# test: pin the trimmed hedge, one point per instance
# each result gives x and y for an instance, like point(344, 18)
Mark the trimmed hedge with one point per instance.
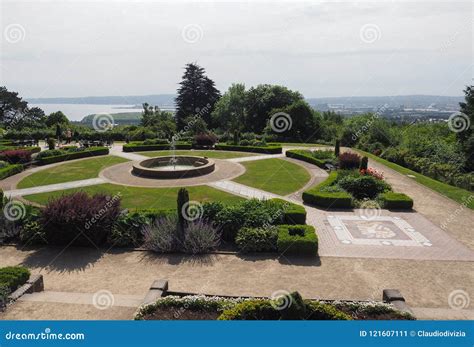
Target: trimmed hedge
point(257, 239)
point(134, 147)
point(10, 170)
point(90, 152)
point(302, 155)
point(391, 200)
point(315, 196)
point(297, 239)
point(11, 277)
point(253, 149)
point(292, 213)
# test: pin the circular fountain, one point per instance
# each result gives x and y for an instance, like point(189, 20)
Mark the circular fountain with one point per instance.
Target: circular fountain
point(173, 167)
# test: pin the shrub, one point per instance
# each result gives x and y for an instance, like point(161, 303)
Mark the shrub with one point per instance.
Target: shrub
point(371, 172)
point(11, 277)
point(140, 147)
point(291, 213)
point(79, 219)
point(16, 156)
point(156, 142)
point(50, 153)
point(10, 171)
point(249, 213)
point(337, 148)
point(317, 196)
point(262, 239)
point(89, 152)
point(297, 239)
point(391, 200)
point(200, 237)
point(3, 164)
point(363, 187)
point(32, 233)
point(162, 235)
point(207, 140)
point(51, 143)
point(211, 209)
point(364, 162)
point(348, 160)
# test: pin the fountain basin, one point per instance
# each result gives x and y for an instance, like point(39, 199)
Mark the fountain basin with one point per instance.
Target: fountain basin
point(170, 167)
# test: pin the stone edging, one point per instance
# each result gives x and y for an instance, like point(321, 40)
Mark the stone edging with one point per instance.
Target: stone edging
point(34, 284)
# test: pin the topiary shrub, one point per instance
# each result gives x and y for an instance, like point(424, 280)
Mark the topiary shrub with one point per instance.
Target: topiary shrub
point(348, 160)
point(337, 148)
point(182, 204)
point(291, 213)
point(79, 219)
point(51, 143)
point(391, 200)
point(363, 187)
point(364, 162)
point(205, 140)
point(297, 239)
point(257, 239)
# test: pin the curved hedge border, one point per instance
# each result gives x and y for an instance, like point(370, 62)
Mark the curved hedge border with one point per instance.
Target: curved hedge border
point(142, 148)
point(301, 155)
point(395, 201)
point(90, 152)
point(253, 149)
point(315, 196)
point(10, 170)
point(292, 213)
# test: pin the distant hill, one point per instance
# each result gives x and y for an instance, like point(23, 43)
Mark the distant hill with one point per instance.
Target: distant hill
point(161, 99)
point(392, 101)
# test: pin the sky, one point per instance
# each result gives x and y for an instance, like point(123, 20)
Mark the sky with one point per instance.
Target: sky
point(322, 49)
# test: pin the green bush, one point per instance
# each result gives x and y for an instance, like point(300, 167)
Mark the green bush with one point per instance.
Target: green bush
point(127, 230)
point(291, 213)
point(10, 170)
point(363, 187)
point(90, 152)
point(391, 200)
point(297, 239)
point(141, 147)
point(316, 195)
point(32, 233)
point(254, 149)
point(49, 153)
point(262, 239)
point(12, 277)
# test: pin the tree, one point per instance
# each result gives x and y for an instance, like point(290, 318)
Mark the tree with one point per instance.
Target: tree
point(56, 118)
point(34, 118)
point(160, 122)
point(299, 122)
point(182, 202)
point(229, 112)
point(466, 137)
point(15, 114)
point(197, 95)
point(264, 98)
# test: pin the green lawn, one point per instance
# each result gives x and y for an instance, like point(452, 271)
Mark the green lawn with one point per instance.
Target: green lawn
point(144, 198)
point(209, 154)
point(67, 172)
point(274, 175)
point(459, 195)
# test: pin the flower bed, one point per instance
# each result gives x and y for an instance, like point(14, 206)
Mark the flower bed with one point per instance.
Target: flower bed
point(54, 157)
point(285, 307)
point(317, 196)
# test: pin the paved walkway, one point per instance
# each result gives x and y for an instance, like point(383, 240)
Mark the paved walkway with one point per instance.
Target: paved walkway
point(256, 157)
point(54, 187)
point(117, 151)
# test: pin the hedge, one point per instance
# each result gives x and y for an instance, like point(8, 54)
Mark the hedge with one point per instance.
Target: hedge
point(10, 170)
point(134, 147)
point(315, 196)
point(297, 239)
point(301, 155)
point(90, 152)
point(11, 277)
point(391, 200)
point(253, 149)
point(292, 213)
